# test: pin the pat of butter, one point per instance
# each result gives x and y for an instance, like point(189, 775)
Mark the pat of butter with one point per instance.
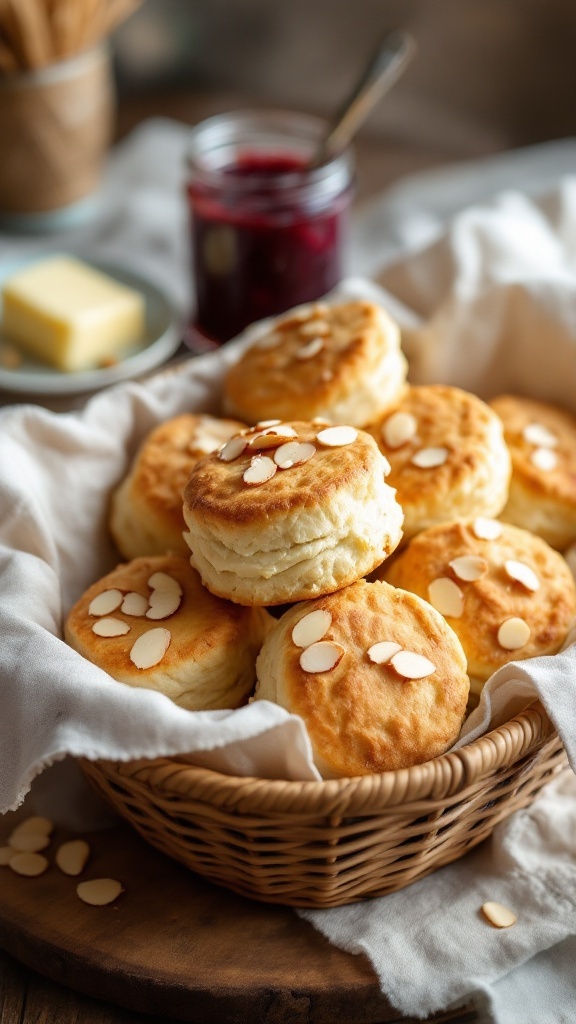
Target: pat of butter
point(70, 315)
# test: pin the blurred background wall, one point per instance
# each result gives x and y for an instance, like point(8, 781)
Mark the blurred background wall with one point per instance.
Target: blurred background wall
point(489, 75)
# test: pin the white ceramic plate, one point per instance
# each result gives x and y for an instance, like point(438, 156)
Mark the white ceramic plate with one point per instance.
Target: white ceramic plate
point(163, 333)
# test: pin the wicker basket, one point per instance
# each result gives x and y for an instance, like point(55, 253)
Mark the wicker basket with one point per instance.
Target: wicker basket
point(323, 844)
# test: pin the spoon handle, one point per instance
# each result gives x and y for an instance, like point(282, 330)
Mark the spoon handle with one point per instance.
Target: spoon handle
point(391, 58)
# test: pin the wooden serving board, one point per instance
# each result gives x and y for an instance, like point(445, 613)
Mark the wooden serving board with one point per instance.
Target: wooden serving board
point(176, 946)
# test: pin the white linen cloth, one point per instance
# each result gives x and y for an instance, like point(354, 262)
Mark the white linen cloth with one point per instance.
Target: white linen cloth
point(490, 303)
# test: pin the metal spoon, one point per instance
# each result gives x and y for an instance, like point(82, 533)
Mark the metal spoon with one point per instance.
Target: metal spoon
point(384, 69)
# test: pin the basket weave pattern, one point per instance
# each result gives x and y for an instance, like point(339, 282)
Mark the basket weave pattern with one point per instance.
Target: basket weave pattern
point(323, 844)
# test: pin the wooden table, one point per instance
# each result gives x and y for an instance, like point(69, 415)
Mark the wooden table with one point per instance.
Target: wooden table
point(26, 997)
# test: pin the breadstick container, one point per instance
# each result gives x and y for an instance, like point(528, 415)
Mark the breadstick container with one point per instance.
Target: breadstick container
point(56, 125)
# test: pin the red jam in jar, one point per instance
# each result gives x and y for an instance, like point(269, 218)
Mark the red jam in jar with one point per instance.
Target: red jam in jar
point(268, 231)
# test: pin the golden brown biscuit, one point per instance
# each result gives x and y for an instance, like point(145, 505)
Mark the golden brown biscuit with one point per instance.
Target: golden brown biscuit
point(211, 644)
point(363, 716)
point(342, 362)
point(323, 520)
point(146, 509)
point(508, 598)
point(542, 443)
point(448, 456)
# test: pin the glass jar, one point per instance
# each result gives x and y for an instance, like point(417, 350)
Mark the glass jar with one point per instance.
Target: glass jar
point(268, 230)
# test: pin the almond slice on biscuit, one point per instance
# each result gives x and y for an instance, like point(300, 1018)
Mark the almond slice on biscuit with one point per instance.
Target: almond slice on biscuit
point(311, 627)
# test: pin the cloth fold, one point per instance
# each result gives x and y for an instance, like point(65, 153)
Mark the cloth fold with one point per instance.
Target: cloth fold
point(489, 302)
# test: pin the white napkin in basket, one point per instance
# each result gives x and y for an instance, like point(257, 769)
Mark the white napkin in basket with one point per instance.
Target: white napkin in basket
point(55, 473)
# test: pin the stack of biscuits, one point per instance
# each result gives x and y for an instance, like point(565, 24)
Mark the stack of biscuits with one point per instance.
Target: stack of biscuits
point(363, 552)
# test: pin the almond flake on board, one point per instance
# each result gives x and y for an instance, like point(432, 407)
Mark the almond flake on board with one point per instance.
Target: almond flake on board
point(544, 459)
point(469, 567)
point(412, 666)
point(381, 652)
point(28, 864)
point(294, 453)
point(134, 604)
point(110, 627)
point(310, 350)
point(398, 429)
point(28, 842)
point(98, 892)
point(336, 437)
point(429, 458)
point(260, 470)
point(486, 529)
point(446, 597)
point(149, 649)
point(233, 449)
point(522, 573)
point(106, 602)
point(539, 435)
point(311, 627)
point(498, 915)
point(321, 657)
point(72, 856)
point(36, 823)
point(513, 634)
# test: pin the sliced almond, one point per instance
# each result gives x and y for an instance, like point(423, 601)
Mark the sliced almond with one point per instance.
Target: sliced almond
point(282, 430)
point(269, 340)
point(106, 602)
point(539, 435)
point(429, 458)
point(36, 823)
point(262, 424)
point(110, 627)
point(522, 573)
point(499, 915)
point(381, 652)
point(412, 666)
point(150, 648)
point(320, 421)
point(399, 428)
point(513, 634)
point(544, 459)
point(98, 892)
point(310, 350)
point(163, 603)
point(260, 470)
point(294, 453)
point(134, 604)
point(469, 567)
point(163, 581)
point(335, 437)
point(314, 327)
point(321, 657)
point(263, 441)
point(29, 864)
point(28, 842)
point(72, 857)
point(311, 627)
point(486, 529)
point(233, 449)
point(446, 597)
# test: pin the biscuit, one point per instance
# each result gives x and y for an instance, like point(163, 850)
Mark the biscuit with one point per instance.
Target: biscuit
point(342, 362)
point(146, 509)
point(509, 597)
point(447, 455)
point(209, 661)
point(542, 443)
point(321, 518)
point(365, 715)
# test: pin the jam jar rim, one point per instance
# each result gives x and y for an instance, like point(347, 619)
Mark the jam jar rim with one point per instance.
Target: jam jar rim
point(335, 174)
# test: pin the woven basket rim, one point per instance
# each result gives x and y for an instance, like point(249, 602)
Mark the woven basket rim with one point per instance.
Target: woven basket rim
point(441, 777)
